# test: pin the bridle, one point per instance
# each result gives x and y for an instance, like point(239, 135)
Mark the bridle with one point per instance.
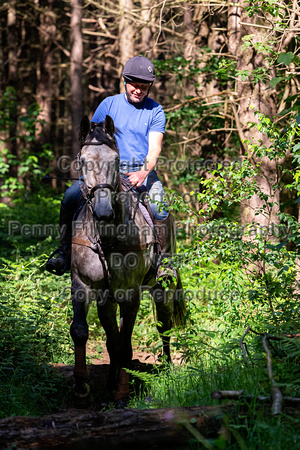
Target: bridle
point(87, 193)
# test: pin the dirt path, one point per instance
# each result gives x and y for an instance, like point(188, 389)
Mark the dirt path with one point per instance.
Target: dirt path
point(98, 367)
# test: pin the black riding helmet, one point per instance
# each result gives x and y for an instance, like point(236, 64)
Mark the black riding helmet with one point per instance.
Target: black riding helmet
point(139, 69)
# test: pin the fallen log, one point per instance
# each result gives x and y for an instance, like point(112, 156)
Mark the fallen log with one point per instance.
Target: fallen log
point(167, 428)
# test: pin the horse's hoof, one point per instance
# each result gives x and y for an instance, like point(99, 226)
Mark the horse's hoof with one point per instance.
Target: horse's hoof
point(81, 393)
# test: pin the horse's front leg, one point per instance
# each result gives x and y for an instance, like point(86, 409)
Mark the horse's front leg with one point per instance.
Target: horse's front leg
point(107, 316)
point(128, 312)
point(79, 333)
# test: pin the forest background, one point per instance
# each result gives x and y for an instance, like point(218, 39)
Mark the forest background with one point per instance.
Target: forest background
point(227, 75)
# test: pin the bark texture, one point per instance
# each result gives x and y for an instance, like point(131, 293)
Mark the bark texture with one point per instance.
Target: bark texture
point(45, 89)
point(126, 46)
point(253, 97)
point(12, 79)
point(76, 75)
point(119, 429)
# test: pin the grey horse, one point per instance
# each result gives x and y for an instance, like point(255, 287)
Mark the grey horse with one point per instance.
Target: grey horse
point(113, 260)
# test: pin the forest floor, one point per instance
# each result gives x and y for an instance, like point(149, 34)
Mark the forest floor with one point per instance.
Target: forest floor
point(96, 422)
point(98, 368)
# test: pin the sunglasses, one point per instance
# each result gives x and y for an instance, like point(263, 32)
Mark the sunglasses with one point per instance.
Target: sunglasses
point(141, 86)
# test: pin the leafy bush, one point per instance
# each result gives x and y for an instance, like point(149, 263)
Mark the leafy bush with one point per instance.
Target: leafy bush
point(34, 333)
point(22, 167)
point(34, 313)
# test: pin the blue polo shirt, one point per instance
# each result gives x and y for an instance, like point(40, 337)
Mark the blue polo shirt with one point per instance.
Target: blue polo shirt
point(133, 123)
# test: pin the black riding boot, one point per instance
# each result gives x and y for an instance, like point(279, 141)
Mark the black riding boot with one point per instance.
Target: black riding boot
point(59, 264)
point(165, 232)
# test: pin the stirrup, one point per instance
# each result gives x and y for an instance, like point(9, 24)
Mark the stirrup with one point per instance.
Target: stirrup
point(51, 267)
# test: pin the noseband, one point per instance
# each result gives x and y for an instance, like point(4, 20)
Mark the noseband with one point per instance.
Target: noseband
point(103, 186)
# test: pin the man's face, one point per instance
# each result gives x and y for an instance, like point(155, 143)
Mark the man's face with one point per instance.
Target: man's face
point(136, 92)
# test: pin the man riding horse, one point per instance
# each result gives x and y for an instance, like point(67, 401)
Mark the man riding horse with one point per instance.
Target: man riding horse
point(140, 126)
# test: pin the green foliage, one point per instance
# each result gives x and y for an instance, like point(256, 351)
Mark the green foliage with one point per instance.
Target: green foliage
point(184, 69)
point(35, 312)
point(193, 113)
point(20, 163)
point(279, 18)
point(34, 333)
point(239, 277)
point(248, 427)
point(233, 277)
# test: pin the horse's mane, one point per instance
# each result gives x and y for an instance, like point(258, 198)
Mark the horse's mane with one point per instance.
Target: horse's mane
point(98, 132)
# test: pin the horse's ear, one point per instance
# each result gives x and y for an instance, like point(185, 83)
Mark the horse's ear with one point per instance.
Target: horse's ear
point(85, 127)
point(109, 126)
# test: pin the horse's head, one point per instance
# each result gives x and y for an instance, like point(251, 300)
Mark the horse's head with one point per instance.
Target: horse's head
point(100, 159)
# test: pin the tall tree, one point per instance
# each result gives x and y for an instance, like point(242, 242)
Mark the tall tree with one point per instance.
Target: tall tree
point(253, 96)
point(45, 91)
point(126, 33)
point(146, 30)
point(189, 51)
point(12, 81)
point(76, 75)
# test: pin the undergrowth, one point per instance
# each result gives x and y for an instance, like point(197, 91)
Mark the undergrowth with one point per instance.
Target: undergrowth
point(35, 316)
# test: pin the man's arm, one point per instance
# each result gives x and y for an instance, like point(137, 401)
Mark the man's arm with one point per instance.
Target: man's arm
point(155, 144)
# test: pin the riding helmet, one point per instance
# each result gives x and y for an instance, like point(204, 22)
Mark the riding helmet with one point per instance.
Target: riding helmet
point(139, 69)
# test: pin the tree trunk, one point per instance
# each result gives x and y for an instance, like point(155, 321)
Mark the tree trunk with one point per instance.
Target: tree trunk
point(189, 51)
point(12, 41)
point(252, 94)
point(45, 89)
point(118, 429)
point(126, 47)
point(76, 76)
point(146, 31)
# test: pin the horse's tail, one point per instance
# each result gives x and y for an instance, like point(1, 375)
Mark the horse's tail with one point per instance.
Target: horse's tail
point(179, 304)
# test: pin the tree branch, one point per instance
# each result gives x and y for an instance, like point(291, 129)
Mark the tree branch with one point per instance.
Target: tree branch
point(277, 396)
point(238, 395)
point(194, 99)
point(242, 342)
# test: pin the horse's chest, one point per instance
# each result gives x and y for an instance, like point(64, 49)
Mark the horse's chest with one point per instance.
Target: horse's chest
point(129, 266)
point(86, 263)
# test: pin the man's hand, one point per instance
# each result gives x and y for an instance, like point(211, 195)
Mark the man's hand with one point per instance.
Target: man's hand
point(137, 178)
